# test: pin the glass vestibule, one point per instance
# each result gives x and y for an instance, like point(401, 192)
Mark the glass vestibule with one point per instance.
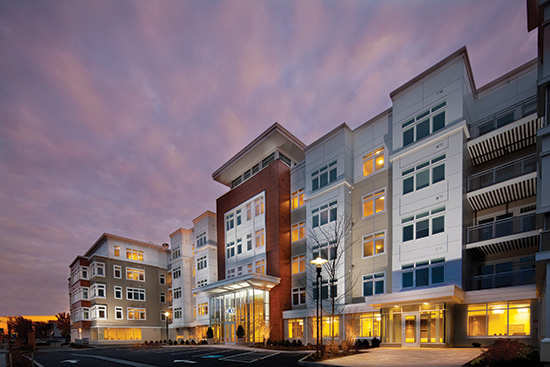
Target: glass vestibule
point(249, 308)
point(411, 325)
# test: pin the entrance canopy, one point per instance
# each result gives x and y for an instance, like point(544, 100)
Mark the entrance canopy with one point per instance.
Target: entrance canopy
point(448, 294)
point(252, 280)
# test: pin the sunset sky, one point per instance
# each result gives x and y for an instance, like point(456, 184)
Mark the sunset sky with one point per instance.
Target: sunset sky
point(114, 114)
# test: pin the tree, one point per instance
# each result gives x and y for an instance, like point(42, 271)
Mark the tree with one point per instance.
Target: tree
point(64, 324)
point(332, 241)
point(264, 330)
point(22, 327)
point(42, 329)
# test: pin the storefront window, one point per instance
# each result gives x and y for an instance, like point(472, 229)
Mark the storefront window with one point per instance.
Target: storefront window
point(329, 326)
point(499, 319)
point(369, 325)
point(296, 328)
point(116, 334)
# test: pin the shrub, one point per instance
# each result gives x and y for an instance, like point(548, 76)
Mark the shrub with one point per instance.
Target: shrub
point(269, 342)
point(476, 345)
point(344, 346)
point(170, 342)
point(333, 348)
point(240, 331)
point(294, 343)
point(209, 332)
point(287, 343)
point(156, 341)
point(358, 344)
point(509, 352)
point(182, 341)
point(145, 342)
point(300, 344)
point(375, 342)
point(193, 342)
point(366, 344)
point(204, 342)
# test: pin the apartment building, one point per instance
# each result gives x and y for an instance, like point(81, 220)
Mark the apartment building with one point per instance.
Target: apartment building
point(118, 291)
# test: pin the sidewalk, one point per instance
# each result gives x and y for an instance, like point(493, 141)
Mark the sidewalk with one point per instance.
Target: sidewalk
point(404, 357)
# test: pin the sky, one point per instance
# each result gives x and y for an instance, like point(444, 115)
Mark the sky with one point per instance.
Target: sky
point(115, 114)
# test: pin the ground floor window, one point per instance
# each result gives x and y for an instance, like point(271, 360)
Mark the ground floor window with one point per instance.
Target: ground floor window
point(425, 323)
point(296, 328)
point(369, 325)
point(330, 326)
point(116, 334)
point(499, 318)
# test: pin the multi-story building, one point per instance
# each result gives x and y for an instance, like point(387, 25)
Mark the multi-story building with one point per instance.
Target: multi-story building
point(118, 291)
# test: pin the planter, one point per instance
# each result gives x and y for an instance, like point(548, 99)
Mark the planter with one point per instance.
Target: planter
point(241, 341)
point(210, 340)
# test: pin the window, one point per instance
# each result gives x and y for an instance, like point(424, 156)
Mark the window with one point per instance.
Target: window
point(202, 283)
point(500, 319)
point(373, 161)
point(229, 221)
point(84, 272)
point(325, 214)
point(162, 315)
point(298, 231)
point(201, 239)
point(329, 324)
point(299, 296)
point(374, 203)
point(249, 242)
point(118, 292)
point(201, 263)
point(85, 313)
point(84, 293)
point(118, 313)
point(177, 313)
point(176, 273)
point(297, 199)
point(298, 264)
point(135, 274)
point(98, 291)
point(323, 176)
point(135, 294)
point(369, 325)
point(117, 251)
point(202, 309)
point(248, 211)
point(136, 313)
point(295, 328)
point(239, 246)
point(422, 222)
point(238, 217)
point(162, 297)
point(259, 206)
point(373, 284)
point(117, 271)
point(99, 312)
point(177, 293)
point(424, 273)
point(98, 269)
point(326, 251)
point(424, 124)
point(239, 271)
point(231, 273)
point(132, 254)
point(176, 253)
point(374, 244)
point(249, 268)
point(423, 174)
point(260, 238)
point(260, 266)
point(162, 279)
point(230, 249)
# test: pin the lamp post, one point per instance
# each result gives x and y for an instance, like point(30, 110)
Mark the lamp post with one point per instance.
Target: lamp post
point(318, 262)
point(166, 314)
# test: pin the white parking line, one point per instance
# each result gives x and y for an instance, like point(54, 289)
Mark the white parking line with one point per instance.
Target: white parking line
point(234, 358)
point(115, 360)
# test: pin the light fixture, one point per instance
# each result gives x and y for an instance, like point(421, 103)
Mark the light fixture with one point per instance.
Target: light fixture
point(319, 261)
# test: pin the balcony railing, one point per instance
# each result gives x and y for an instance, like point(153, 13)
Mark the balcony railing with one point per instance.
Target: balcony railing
point(502, 173)
point(502, 228)
point(522, 276)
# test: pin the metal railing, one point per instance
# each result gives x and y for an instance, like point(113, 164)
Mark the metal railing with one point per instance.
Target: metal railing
point(502, 228)
point(503, 172)
point(525, 275)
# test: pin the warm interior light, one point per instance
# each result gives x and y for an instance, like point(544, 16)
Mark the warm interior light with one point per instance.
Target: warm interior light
point(381, 197)
point(381, 161)
point(426, 303)
point(498, 312)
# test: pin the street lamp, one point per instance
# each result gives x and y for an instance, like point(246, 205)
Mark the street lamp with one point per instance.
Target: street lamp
point(318, 262)
point(166, 314)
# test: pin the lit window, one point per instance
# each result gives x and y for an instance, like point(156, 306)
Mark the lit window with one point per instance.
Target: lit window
point(202, 309)
point(296, 328)
point(132, 254)
point(329, 325)
point(373, 161)
point(117, 271)
point(248, 211)
point(297, 199)
point(259, 206)
point(298, 264)
point(298, 231)
point(135, 274)
point(117, 251)
point(260, 266)
point(500, 319)
point(374, 244)
point(260, 238)
point(136, 313)
point(374, 203)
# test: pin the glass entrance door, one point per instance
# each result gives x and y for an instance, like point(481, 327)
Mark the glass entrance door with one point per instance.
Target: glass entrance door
point(411, 330)
point(230, 332)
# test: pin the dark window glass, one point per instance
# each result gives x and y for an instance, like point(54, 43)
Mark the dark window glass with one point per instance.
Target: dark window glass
point(438, 224)
point(438, 121)
point(422, 129)
point(505, 120)
point(408, 233)
point(422, 228)
point(333, 213)
point(438, 173)
point(315, 183)
point(324, 217)
point(324, 179)
point(407, 279)
point(438, 274)
point(332, 175)
point(422, 179)
point(422, 277)
point(332, 253)
point(408, 137)
point(408, 185)
point(295, 298)
point(367, 288)
point(324, 292)
point(315, 221)
point(379, 287)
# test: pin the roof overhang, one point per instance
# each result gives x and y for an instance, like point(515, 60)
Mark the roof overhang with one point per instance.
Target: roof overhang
point(449, 294)
point(252, 280)
point(274, 138)
point(499, 245)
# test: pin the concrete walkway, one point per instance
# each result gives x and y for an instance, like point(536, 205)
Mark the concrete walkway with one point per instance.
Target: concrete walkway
point(405, 357)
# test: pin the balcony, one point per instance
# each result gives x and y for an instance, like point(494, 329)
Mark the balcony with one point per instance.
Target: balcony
point(509, 182)
point(503, 235)
point(503, 275)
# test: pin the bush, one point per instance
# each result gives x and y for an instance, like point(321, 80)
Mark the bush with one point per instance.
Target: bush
point(204, 342)
point(375, 342)
point(333, 348)
point(269, 342)
point(366, 344)
point(209, 332)
point(182, 341)
point(240, 331)
point(476, 345)
point(300, 344)
point(509, 352)
point(358, 344)
point(170, 342)
point(294, 343)
point(344, 346)
point(287, 343)
point(193, 342)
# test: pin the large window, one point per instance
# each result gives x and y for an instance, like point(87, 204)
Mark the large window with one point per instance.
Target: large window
point(176, 273)
point(260, 239)
point(422, 175)
point(295, 328)
point(135, 274)
point(298, 264)
point(297, 199)
point(374, 244)
point(373, 161)
point(132, 254)
point(260, 266)
point(135, 294)
point(423, 273)
point(330, 326)
point(374, 203)
point(298, 231)
point(422, 224)
point(229, 221)
point(98, 291)
point(369, 325)
point(201, 263)
point(201, 239)
point(230, 249)
point(499, 319)
point(178, 313)
point(325, 214)
point(98, 269)
point(299, 296)
point(325, 250)
point(202, 309)
point(323, 176)
point(116, 333)
point(259, 206)
point(136, 313)
point(424, 124)
point(373, 284)
point(177, 293)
